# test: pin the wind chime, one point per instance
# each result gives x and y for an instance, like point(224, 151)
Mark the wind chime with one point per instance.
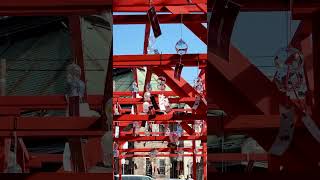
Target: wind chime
point(290, 80)
point(153, 19)
point(135, 93)
point(153, 158)
point(181, 48)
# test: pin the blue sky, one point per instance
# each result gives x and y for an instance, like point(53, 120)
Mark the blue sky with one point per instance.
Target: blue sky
point(129, 39)
point(258, 35)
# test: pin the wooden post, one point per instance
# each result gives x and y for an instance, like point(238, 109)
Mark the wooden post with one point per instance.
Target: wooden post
point(4, 142)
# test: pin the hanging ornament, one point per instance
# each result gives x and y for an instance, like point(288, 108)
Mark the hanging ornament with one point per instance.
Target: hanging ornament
point(164, 104)
point(153, 155)
point(174, 138)
point(167, 133)
point(134, 89)
point(289, 65)
point(146, 130)
point(196, 102)
point(136, 127)
point(117, 109)
point(198, 85)
point(181, 47)
point(75, 86)
point(180, 155)
point(179, 130)
point(153, 18)
point(161, 83)
point(151, 46)
point(198, 126)
point(115, 150)
point(148, 87)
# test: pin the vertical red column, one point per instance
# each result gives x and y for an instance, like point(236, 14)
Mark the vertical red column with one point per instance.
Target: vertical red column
point(76, 148)
point(316, 65)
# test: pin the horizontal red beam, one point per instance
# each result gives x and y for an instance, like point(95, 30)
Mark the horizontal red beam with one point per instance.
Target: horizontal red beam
point(52, 3)
point(165, 117)
point(158, 155)
point(53, 7)
point(126, 123)
point(163, 18)
point(128, 93)
point(52, 133)
point(158, 138)
point(65, 176)
point(44, 102)
point(143, 6)
point(36, 160)
point(130, 61)
point(141, 101)
point(219, 157)
point(46, 123)
point(158, 149)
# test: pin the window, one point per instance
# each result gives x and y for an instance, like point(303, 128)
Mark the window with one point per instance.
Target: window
point(162, 167)
point(148, 167)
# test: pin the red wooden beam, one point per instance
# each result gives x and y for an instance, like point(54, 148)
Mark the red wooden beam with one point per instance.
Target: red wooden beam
point(241, 74)
point(141, 101)
point(53, 133)
point(46, 123)
point(231, 157)
point(163, 19)
point(166, 117)
point(44, 102)
point(158, 149)
point(52, 7)
point(158, 138)
point(130, 61)
point(198, 29)
point(158, 155)
point(129, 93)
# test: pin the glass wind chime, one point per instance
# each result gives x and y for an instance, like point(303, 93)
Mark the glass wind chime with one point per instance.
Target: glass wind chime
point(181, 48)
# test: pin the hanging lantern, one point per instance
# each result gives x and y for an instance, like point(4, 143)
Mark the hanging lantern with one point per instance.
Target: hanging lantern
point(289, 65)
point(181, 47)
point(162, 83)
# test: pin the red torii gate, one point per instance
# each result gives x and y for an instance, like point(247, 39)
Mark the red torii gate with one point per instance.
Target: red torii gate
point(11, 106)
point(161, 65)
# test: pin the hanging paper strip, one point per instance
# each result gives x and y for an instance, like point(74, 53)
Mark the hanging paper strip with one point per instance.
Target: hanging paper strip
point(286, 130)
point(178, 71)
point(312, 127)
point(221, 26)
point(154, 103)
point(153, 18)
